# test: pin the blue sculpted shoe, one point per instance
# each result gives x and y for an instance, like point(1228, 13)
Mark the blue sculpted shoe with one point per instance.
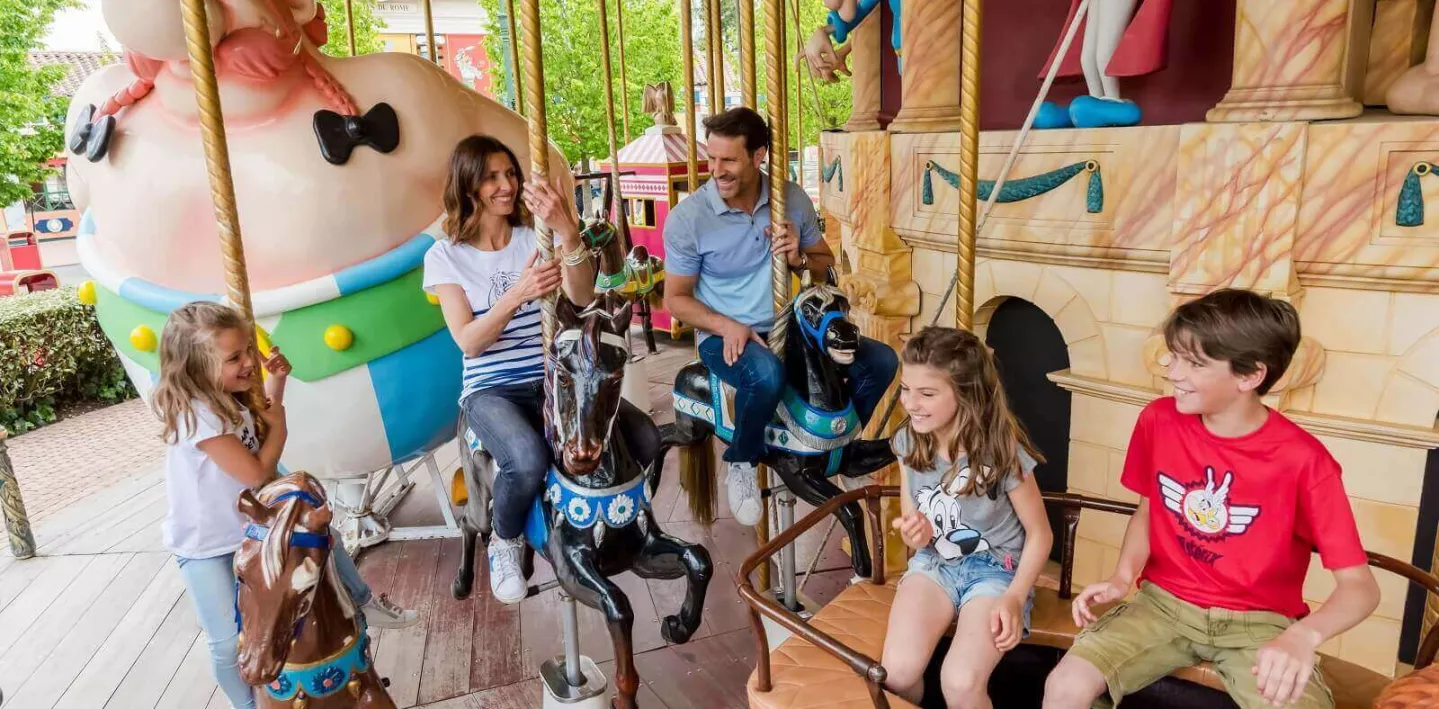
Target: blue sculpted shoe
point(1094, 112)
point(1051, 116)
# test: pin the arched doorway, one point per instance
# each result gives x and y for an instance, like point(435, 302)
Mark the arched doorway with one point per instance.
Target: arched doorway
point(1028, 346)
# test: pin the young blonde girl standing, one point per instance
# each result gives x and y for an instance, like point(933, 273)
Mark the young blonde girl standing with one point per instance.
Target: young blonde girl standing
point(971, 511)
point(207, 364)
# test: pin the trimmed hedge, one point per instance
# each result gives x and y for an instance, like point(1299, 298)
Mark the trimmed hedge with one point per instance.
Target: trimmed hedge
point(53, 353)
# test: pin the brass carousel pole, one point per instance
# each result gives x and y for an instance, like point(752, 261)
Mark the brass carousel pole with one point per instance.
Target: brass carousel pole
point(624, 82)
point(687, 46)
point(539, 145)
point(749, 93)
point(779, 268)
point(624, 222)
point(430, 32)
point(968, 160)
point(514, 50)
point(350, 24)
point(713, 34)
point(798, 91)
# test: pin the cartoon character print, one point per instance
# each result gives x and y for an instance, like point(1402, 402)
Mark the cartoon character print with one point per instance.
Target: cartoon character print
point(248, 438)
point(1204, 508)
point(502, 281)
point(952, 537)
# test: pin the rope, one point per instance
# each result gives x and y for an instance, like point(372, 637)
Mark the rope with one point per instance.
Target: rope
point(539, 149)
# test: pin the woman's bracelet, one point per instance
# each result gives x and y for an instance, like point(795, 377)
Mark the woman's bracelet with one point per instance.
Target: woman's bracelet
point(577, 257)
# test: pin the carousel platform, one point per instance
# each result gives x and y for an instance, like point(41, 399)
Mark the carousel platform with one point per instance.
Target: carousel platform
point(99, 620)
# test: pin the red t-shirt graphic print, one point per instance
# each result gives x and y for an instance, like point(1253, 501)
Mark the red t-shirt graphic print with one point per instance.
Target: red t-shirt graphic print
point(1232, 521)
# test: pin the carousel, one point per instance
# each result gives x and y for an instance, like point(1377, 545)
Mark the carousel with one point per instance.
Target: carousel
point(1241, 154)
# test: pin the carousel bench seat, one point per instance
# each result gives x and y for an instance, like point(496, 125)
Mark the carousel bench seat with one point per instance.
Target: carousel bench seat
point(829, 661)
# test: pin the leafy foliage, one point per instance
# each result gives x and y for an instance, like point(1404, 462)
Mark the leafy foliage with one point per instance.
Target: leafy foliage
point(52, 352)
point(31, 119)
point(367, 28)
point(574, 88)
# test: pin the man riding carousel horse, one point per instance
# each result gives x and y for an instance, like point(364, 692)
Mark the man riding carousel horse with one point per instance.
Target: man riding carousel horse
point(718, 244)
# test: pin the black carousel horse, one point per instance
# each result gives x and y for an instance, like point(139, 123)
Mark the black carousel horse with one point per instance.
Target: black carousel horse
point(593, 519)
point(815, 431)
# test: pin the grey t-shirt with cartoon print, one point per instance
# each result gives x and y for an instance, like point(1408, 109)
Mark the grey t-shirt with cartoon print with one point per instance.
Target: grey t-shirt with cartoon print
point(966, 524)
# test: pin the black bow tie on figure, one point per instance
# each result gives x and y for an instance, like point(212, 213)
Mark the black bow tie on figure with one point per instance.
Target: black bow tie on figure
point(90, 137)
point(379, 128)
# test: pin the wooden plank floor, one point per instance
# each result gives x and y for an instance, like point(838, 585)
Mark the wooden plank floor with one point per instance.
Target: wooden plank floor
point(99, 618)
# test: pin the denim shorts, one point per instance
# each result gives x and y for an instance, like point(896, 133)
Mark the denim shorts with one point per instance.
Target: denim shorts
point(978, 575)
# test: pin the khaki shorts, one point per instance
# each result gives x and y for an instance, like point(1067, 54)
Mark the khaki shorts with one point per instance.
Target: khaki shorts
point(1138, 642)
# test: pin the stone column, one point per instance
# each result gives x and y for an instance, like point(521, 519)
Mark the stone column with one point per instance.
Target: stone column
point(929, 71)
point(865, 48)
point(1297, 61)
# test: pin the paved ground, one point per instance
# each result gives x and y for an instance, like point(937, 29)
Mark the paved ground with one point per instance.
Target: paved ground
point(66, 461)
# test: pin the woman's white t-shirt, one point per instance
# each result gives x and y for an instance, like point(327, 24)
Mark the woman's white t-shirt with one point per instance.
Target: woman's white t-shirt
point(518, 356)
point(202, 520)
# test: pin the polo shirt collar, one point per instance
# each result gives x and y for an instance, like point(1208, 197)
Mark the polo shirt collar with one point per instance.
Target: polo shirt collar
point(717, 202)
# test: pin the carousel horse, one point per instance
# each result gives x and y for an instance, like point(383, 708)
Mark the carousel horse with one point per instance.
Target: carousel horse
point(815, 431)
point(593, 519)
point(301, 636)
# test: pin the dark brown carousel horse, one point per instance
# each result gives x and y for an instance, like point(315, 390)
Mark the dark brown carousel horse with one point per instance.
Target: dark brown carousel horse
point(593, 519)
point(302, 641)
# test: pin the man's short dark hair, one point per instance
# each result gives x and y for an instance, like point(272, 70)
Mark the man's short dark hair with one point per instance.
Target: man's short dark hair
point(1240, 327)
point(740, 122)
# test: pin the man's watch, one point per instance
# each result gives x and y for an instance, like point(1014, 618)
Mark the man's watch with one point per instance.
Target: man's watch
point(803, 261)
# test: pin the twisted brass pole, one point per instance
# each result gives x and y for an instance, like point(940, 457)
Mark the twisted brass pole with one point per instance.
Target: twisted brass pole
point(624, 81)
point(515, 57)
point(715, 58)
point(749, 90)
point(968, 160)
point(778, 161)
point(798, 102)
point(687, 46)
point(624, 225)
point(217, 156)
point(539, 147)
point(350, 23)
point(430, 33)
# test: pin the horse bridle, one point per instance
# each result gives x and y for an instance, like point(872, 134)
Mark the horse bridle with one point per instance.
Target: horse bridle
point(304, 540)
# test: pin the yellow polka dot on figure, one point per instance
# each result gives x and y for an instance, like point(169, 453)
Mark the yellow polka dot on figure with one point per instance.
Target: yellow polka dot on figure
point(339, 337)
point(434, 299)
point(86, 292)
point(143, 338)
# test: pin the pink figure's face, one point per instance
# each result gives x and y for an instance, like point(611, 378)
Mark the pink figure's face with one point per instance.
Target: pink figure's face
point(155, 28)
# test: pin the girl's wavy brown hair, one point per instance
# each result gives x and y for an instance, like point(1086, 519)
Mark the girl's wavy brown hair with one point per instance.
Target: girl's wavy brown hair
point(190, 369)
point(467, 170)
point(986, 429)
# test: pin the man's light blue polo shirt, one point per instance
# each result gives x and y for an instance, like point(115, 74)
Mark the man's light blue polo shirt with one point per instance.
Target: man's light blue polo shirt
point(729, 251)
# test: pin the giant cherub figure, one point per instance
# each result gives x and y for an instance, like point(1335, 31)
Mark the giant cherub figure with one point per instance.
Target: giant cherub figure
point(338, 167)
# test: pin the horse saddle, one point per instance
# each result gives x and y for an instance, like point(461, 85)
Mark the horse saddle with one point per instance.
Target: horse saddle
point(796, 427)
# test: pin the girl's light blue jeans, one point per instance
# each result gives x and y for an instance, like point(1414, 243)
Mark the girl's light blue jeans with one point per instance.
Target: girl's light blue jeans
point(211, 585)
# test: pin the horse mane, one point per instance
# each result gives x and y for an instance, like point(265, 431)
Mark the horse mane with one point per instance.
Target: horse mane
point(282, 525)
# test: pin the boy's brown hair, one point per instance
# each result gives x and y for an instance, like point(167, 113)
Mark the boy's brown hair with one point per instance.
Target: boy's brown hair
point(1240, 327)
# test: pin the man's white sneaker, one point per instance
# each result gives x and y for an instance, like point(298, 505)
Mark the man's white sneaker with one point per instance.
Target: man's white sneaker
point(381, 612)
point(742, 484)
point(507, 580)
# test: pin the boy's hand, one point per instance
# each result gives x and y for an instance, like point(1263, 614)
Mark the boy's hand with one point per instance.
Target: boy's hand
point(1006, 622)
point(1285, 664)
point(1102, 592)
point(279, 369)
point(915, 529)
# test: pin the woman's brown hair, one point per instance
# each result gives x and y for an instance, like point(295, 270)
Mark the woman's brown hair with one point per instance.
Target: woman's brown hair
point(985, 427)
point(467, 171)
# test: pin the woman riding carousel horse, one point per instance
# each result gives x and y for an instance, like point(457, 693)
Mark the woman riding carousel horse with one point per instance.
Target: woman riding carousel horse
point(489, 283)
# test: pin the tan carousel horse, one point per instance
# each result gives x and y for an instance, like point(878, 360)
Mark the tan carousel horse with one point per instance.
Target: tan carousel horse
point(301, 636)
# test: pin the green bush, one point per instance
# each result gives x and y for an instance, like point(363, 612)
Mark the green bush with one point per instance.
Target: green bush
point(52, 353)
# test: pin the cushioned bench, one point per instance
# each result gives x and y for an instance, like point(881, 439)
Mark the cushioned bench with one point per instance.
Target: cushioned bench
point(831, 660)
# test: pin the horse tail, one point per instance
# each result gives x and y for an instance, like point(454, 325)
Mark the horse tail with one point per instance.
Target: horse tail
point(697, 479)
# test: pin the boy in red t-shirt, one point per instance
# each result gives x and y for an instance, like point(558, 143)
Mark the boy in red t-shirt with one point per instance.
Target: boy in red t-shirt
point(1235, 497)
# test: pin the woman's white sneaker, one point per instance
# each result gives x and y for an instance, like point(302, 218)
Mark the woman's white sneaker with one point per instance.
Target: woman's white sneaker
point(507, 579)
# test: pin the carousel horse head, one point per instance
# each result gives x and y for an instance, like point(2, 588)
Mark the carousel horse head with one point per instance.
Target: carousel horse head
point(584, 378)
point(278, 569)
point(821, 312)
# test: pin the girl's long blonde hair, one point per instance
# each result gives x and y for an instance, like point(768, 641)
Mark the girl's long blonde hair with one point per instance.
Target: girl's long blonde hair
point(190, 369)
point(986, 430)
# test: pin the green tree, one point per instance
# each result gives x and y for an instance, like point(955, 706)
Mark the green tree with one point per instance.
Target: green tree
point(367, 28)
point(574, 88)
point(31, 119)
